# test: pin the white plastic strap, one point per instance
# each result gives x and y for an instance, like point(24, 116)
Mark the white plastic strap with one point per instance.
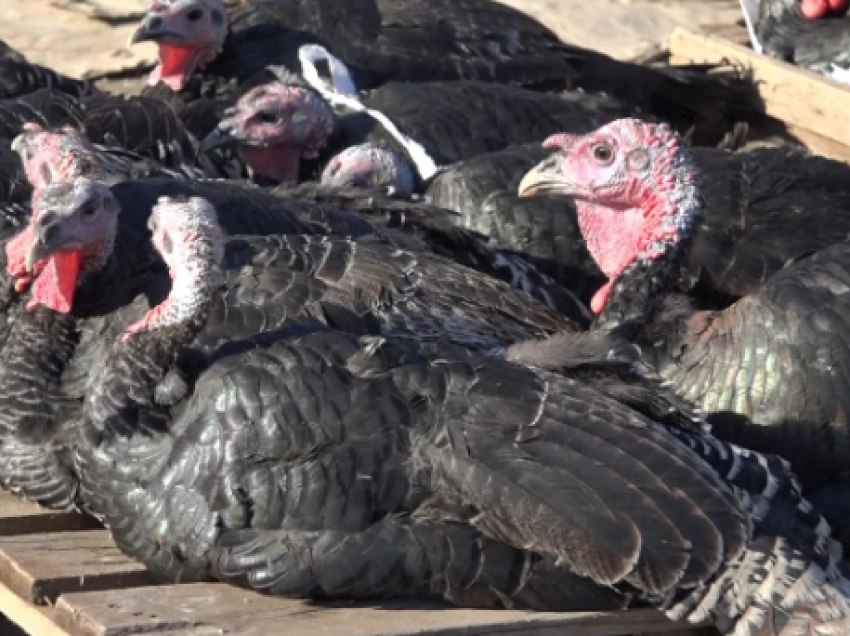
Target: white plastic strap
point(750, 9)
point(343, 93)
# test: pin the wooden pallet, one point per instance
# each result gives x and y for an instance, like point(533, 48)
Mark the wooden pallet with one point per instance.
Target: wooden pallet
point(812, 107)
point(61, 575)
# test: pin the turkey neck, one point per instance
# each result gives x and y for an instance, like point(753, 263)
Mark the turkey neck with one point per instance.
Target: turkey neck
point(137, 364)
point(648, 284)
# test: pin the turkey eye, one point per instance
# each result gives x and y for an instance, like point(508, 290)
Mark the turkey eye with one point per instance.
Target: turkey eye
point(603, 153)
point(88, 212)
point(166, 244)
point(267, 118)
point(194, 15)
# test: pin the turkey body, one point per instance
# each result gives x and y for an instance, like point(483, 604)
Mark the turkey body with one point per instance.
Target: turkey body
point(18, 77)
point(361, 452)
point(363, 286)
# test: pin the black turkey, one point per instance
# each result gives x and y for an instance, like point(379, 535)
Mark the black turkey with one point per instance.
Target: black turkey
point(324, 465)
point(773, 369)
point(763, 208)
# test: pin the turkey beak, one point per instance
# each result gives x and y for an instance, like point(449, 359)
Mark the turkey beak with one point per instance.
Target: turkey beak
point(18, 144)
point(221, 136)
point(544, 178)
point(151, 30)
point(48, 240)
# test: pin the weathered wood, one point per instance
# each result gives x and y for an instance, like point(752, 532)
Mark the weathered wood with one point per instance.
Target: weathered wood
point(23, 517)
point(40, 567)
point(36, 621)
point(798, 97)
point(201, 609)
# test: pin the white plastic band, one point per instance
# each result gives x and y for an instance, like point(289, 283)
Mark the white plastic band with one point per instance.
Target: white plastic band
point(343, 93)
point(750, 9)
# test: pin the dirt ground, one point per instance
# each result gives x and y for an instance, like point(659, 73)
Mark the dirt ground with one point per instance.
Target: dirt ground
point(85, 38)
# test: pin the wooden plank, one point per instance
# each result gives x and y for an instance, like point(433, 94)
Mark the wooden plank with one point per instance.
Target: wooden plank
point(40, 567)
point(23, 517)
point(790, 94)
point(203, 609)
point(820, 145)
point(37, 621)
point(736, 33)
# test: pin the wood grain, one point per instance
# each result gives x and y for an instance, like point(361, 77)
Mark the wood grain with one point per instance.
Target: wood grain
point(202, 609)
point(23, 517)
point(809, 103)
point(40, 567)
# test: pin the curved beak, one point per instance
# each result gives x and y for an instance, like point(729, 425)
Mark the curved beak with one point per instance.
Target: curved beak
point(151, 30)
point(545, 178)
point(18, 143)
point(221, 136)
point(48, 239)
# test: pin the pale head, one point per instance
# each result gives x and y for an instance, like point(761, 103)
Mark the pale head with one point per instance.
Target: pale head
point(636, 188)
point(369, 166)
point(188, 33)
point(71, 235)
point(186, 233)
point(275, 126)
point(50, 156)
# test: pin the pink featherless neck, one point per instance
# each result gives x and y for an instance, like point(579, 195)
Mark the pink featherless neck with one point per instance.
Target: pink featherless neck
point(637, 194)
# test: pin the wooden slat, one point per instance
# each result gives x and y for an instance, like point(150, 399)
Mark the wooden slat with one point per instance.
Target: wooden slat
point(790, 94)
point(22, 517)
point(36, 621)
point(40, 567)
point(202, 609)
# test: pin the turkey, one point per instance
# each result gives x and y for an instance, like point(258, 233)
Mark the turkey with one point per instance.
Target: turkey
point(386, 40)
point(321, 464)
point(814, 34)
point(772, 369)
point(19, 77)
point(278, 125)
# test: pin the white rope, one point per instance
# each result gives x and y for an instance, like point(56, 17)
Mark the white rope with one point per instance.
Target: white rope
point(343, 93)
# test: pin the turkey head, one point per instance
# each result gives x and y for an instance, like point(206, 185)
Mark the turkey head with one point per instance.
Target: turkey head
point(275, 126)
point(370, 166)
point(73, 232)
point(48, 157)
point(636, 189)
point(186, 233)
point(188, 33)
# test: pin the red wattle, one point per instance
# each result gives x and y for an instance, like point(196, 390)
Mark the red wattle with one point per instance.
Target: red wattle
point(16, 252)
point(176, 65)
point(279, 163)
point(600, 298)
point(55, 286)
point(814, 9)
point(839, 7)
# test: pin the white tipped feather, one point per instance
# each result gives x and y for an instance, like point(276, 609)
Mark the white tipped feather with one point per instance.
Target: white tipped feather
point(343, 93)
